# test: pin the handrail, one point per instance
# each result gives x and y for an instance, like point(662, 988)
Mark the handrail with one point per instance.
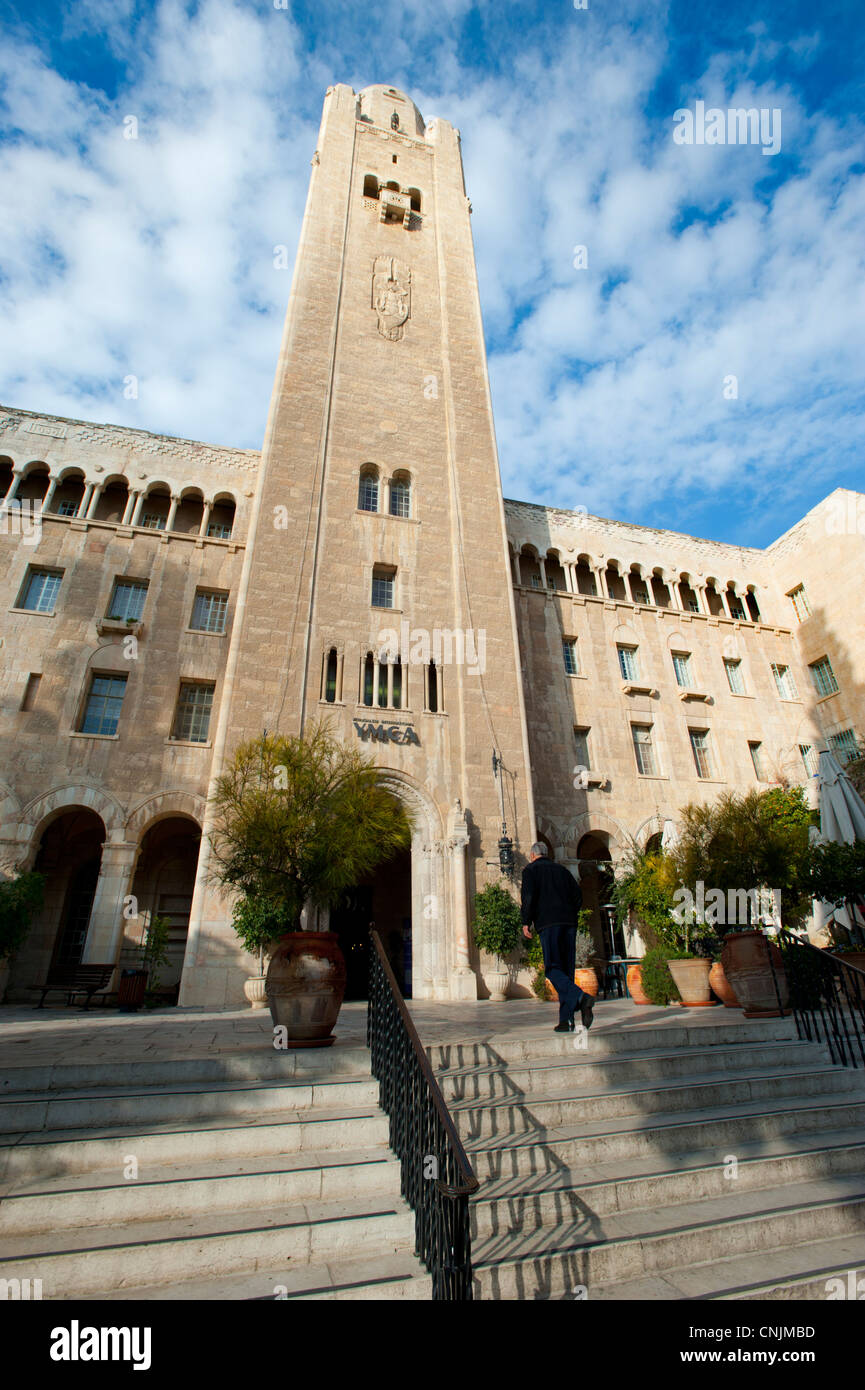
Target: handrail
point(436, 1178)
point(825, 989)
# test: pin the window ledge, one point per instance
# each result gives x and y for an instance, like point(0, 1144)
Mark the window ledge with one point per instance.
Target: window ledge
point(118, 626)
point(35, 612)
point(636, 688)
point(105, 738)
point(576, 675)
point(203, 632)
point(186, 743)
point(695, 695)
point(653, 777)
point(389, 516)
point(821, 699)
point(741, 695)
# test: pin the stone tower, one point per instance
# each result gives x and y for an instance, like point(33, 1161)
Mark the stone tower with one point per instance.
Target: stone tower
point(376, 589)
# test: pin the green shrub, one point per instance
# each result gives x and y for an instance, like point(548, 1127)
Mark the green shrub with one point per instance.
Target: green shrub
point(498, 924)
point(20, 899)
point(658, 983)
point(585, 949)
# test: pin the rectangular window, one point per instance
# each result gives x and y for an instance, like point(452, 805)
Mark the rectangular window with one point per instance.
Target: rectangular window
point(735, 679)
point(67, 508)
point(628, 662)
point(799, 600)
point(127, 601)
point(809, 758)
point(40, 589)
point(209, 611)
point(682, 667)
point(581, 742)
point(844, 745)
point(192, 719)
point(104, 702)
point(382, 589)
point(536, 581)
point(153, 521)
point(645, 753)
point(33, 682)
point(784, 682)
point(823, 676)
point(569, 651)
point(756, 751)
point(700, 749)
point(217, 530)
point(737, 609)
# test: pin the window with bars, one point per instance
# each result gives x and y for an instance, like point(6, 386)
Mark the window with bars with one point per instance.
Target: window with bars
point(103, 704)
point(216, 530)
point(367, 497)
point(643, 749)
point(845, 745)
point(382, 588)
point(784, 682)
point(39, 591)
point(682, 668)
point(67, 508)
point(701, 751)
point(154, 522)
point(823, 676)
point(735, 679)
point(581, 745)
point(569, 652)
point(400, 497)
point(127, 600)
point(758, 759)
point(799, 600)
point(192, 716)
point(209, 610)
point(628, 662)
point(809, 758)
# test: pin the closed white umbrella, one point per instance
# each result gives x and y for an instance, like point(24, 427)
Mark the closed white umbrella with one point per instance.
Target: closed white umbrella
point(842, 816)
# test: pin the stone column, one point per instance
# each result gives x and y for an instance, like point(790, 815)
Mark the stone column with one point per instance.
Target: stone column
point(94, 499)
point(105, 928)
point(700, 590)
point(17, 475)
point(570, 576)
point(518, 579)
point(136, 510)
point(543, 569)
point(85, 500)
point(49, 496)
point(599, 571)
point(205, 520)
point(463, 982)
point(172, 512)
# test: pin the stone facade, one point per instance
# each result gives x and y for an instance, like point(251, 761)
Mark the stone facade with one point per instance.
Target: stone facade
point(272, 590)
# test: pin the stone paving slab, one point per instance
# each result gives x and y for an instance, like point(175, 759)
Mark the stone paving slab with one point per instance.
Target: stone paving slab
point(31, 1037)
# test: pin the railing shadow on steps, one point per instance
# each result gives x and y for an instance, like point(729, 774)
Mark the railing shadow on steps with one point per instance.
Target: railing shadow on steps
point(827, 998)
point(436, 1176)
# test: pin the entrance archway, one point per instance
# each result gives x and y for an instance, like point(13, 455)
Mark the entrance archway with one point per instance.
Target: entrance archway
point(162, 887)
point(596, 881)
point(382, 897)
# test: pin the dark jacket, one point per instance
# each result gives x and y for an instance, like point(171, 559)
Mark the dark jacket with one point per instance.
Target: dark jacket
point(551, 895)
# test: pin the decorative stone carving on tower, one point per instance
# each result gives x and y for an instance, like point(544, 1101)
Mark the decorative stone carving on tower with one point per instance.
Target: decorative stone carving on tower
point(391, 296)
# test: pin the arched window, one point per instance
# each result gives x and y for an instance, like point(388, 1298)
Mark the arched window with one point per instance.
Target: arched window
point(400, 495)
point(370, 186)
point(432, 688)
point(753, 608)
point(330, 677)
point(368, 673)
point(414, 196)
point(397, 684)
point(367, 499)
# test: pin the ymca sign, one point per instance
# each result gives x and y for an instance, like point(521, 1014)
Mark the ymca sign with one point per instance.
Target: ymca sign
point(385, 733)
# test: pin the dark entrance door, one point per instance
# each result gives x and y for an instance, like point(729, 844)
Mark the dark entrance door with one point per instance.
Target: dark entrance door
point(385, 899)
point(350, 920)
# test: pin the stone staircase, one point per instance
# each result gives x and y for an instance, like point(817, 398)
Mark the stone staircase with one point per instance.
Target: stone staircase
point(661, 1162)
point(258, 1176)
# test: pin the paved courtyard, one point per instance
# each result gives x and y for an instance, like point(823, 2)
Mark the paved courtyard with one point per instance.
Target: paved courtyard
point(30, 1037)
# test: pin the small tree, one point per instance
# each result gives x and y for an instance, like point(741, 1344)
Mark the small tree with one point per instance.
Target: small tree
point(301, 819)
point(837, 874)
point(498, 922)
point(644, 885)
point(154, 952)
point(258, 923)
point(20, 900)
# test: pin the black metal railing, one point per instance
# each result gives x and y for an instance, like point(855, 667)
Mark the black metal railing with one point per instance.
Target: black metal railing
point(827, 998)
point(437, 1179)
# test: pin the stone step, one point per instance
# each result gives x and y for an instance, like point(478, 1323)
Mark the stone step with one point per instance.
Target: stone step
point(102, 1258)
point(182, 1190)
point(564, 1201)
point(384, 1277)
point(799, 1271)
point(100, 1107)
point(637, 1245)
point(44, 1155)
point(609, 1040)
point(597, 1141)
point(506, 1117)
point(252, 1063)
point(581, 1069)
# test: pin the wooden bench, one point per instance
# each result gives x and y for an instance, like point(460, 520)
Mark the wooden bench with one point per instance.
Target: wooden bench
point(76, 979)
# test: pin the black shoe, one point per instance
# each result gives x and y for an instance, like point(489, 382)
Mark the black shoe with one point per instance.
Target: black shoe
point(587, 1005)
point(566, 1027)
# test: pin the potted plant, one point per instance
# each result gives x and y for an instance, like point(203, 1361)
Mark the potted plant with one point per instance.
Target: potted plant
point(498, 931)
point(258, 924)
point(297, 821)
point(20, 899)
point(643, 895)
point(585, 975)
point(656, 980)
point(135, 980)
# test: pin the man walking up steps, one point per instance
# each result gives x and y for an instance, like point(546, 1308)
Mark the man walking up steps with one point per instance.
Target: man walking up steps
point(551, 900)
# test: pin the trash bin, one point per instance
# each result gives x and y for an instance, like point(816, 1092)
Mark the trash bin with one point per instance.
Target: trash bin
point(131, 993)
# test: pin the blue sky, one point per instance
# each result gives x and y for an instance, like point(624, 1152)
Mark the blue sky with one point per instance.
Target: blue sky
point(154, 257)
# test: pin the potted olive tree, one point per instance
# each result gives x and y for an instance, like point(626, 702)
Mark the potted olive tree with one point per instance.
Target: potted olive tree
point(20, 900)
point(297, 821)
point(259, 924)
point(498, 931)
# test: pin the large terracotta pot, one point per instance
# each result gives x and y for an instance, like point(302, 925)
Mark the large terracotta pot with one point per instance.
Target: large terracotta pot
point(855, 958)
point(691, 978)
point(305, 985)
point(635, 985)
point(722, 987)
point(586, 979)
point(746, 965)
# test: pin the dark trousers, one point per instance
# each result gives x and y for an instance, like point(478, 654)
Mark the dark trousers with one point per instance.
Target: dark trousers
point(560, 948)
